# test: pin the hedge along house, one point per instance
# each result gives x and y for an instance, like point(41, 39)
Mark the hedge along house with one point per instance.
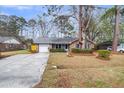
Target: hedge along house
point(44, 44)
point(9, 43)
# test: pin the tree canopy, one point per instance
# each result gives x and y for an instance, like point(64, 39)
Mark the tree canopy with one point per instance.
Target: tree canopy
point(91, 24)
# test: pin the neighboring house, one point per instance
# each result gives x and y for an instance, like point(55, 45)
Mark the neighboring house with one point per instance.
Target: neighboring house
point(8, 43)
point(44, 44)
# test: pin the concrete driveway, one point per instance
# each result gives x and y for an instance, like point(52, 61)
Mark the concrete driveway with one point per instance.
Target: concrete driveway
point(23, 70)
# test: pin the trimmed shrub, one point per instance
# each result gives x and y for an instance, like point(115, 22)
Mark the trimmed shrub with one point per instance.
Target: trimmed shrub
point(76, 50)
point(105, 54)
point(85, 51)
point(57, 50)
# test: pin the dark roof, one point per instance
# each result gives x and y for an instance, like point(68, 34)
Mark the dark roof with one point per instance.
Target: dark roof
point(65, 40)
point(42, 40)
point(2, 39)
point(6, 38)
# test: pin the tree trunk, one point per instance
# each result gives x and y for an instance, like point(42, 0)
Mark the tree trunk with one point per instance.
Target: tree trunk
point(0, 54)
point(80, 25)
point(117, 31)
point(33, 31)
point(21, 32)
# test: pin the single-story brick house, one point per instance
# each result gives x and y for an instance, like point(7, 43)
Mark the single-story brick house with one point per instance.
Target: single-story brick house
point(9, 43)
point(44, 44)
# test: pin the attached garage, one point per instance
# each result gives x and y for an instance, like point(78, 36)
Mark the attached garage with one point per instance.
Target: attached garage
point(43, 44)
point(43, 48)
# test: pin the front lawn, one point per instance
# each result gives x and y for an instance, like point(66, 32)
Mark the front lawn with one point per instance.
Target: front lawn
point(10, 53)
point(83, 71)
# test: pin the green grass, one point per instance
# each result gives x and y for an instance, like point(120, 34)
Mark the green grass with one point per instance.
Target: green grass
point(97, 84)
point(22, 52)
point(10, 53)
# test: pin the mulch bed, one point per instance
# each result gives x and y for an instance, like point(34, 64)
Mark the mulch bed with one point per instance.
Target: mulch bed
point(82, 54)
point(105, 59)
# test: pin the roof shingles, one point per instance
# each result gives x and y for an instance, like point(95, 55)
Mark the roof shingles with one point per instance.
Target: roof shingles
point(66, 40)
point(8, 39)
